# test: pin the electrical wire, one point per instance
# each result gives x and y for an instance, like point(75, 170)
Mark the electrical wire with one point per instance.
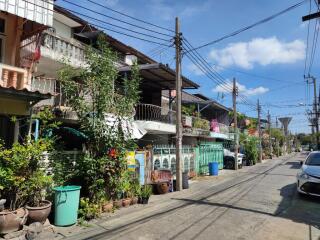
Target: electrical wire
point(115, 19)
point(115, 25)
point(314, 44)
point(105, 28)
point(250, 26)
point(126, 15)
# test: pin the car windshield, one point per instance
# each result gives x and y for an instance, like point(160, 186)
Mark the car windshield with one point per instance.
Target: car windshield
point(313, 159)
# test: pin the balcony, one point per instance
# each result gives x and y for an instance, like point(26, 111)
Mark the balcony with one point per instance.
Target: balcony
point(220, 130)
point(43, 85)
point(195, 126)
point(15, 77)
point(155, 119)
point(60, 49)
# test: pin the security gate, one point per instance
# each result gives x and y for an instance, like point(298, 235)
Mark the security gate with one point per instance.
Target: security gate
point(164, 157)
point(208, 152)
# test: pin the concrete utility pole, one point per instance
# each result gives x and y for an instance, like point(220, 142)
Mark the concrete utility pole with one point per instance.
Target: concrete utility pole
point(316, 110)
point(178, 108)
point(269, 125)
point(259, 131)
point(234, 99)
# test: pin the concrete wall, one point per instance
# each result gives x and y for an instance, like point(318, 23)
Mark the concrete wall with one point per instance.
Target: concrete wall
point(10, 106)
point(62, 29)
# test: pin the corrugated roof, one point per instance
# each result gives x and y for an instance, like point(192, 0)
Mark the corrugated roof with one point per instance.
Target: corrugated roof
point(161, 76)
point(23, 94)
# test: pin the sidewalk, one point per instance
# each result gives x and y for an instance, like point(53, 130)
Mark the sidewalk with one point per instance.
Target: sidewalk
point(157, 204)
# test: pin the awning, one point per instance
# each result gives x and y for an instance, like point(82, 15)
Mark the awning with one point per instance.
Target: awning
point(130, 128)
point(160, 76)
point(23, 94)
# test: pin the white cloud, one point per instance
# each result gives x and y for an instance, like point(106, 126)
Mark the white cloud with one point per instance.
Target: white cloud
point(242, 89)
point(195, 70)
point(262, 51)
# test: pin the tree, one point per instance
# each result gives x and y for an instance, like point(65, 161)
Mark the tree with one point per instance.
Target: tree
point(104, 102)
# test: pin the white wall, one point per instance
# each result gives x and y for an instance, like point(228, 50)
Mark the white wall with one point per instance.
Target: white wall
point(62, 30)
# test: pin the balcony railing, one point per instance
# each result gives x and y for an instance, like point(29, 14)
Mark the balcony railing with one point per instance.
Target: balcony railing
point(149, 112)
point(43, 85)
point(59, 48)
point(221, 128)
point(15, 77)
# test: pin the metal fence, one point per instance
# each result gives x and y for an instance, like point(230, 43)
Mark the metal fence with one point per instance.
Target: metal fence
point(149, 112)
point(164, 157)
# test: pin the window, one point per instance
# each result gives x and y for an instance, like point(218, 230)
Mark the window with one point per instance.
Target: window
point(2, 38)
point(165, 163)
point(156, 164)
point(313, 159)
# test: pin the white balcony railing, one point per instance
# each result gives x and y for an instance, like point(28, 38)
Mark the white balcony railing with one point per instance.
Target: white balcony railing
point(43, 85)
point(60, 49)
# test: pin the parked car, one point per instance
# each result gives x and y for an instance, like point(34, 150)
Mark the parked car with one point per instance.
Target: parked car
point(308, 177)
point(228, 159)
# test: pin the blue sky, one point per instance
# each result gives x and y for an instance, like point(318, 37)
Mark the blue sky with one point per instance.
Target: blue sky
point(275, 49)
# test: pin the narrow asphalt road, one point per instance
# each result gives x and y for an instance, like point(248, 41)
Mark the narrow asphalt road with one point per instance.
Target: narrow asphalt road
point(258, 202)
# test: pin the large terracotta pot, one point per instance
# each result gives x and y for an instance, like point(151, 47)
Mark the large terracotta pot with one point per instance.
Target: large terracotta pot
point(107, 207)
point(39, 214)
point(134, 200)
point(126, 202)
point(11, 221)
point(117, 203)
point(163, 188)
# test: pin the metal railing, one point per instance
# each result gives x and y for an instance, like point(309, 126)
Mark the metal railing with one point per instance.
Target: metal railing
point(61, 48)
point(221, 128)
point(149, 112)
point(43, 85)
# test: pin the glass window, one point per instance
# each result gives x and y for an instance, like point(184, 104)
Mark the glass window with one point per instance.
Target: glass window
point(173, 165)
point(2, 25)
point(313, 159)
point(156, 164)
point(165, 163)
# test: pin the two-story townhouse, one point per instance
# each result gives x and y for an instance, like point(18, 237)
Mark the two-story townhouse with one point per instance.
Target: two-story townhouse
point(68, 38)
point(21, 24)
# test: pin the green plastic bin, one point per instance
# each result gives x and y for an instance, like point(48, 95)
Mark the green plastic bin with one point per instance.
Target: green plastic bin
point(66, 204)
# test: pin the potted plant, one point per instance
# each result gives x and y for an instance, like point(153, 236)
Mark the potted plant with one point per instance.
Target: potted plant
point(146, 192)
point(106, 205)
point(22, 181)
point(136, 191)
point(38, 208)
point(126, 188)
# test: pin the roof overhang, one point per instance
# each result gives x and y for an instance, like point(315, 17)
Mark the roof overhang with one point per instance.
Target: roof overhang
point(161, 76)
point(24, 94)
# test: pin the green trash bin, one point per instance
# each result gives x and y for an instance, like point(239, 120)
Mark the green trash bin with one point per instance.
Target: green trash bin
point(66, 204)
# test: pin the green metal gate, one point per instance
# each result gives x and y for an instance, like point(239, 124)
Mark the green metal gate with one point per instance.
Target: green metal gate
point(208, 152)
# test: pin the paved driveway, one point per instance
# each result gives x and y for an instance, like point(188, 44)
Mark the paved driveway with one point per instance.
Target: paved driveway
point(258, 202)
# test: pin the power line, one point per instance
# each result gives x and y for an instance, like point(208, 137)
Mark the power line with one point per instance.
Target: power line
point(251, 26)
point(105, 28)
point(116, 19)
point(314, 44)
point(115, 25)
point(126, 15)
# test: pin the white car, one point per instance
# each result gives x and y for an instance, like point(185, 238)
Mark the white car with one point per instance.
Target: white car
point(228, 153)
point(308, 177)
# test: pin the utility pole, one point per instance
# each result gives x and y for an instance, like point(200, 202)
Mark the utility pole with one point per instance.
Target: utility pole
point(235, 117)
point(259, 131)
point(178, 108)
point(316, 110)
point(314, 115)
point(269, 125)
